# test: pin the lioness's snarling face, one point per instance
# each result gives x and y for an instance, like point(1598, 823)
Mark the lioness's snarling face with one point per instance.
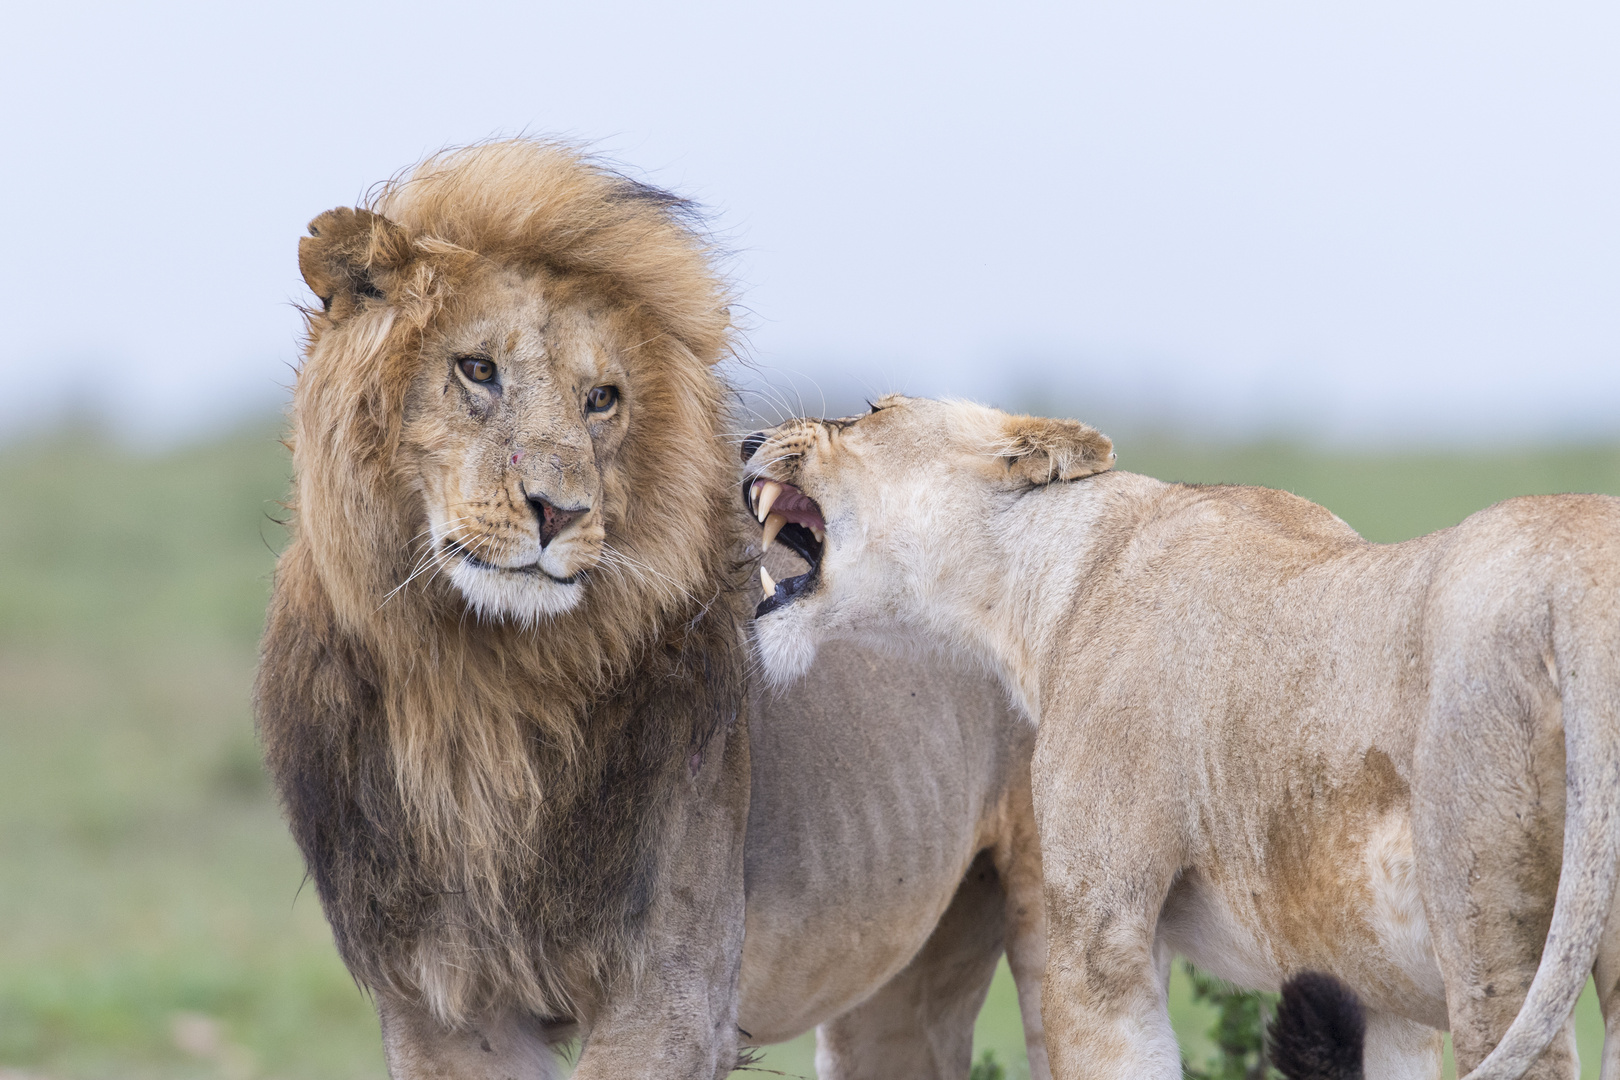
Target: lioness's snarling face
point(873, 503)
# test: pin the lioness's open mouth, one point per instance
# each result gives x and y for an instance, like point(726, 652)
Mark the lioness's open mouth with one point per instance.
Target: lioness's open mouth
point(791, 516)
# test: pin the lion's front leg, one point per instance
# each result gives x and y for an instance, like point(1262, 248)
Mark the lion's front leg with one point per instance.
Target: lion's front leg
point(676, 1018)
point(509, 1047)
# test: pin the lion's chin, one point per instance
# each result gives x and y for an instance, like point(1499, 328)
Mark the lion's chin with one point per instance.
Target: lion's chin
point(515, 596)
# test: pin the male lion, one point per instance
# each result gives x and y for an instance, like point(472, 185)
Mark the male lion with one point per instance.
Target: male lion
point(503, 688)
point(1263, 742)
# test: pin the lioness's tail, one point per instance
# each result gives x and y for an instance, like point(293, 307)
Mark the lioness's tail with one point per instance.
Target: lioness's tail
point(1319, 1030)
point(1586, 652)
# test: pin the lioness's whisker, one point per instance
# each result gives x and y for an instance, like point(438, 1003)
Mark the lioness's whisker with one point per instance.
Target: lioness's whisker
point(777, 403)
point(799, 409)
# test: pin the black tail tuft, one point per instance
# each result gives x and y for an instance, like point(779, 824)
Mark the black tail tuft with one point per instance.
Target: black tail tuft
point(1319, 1029)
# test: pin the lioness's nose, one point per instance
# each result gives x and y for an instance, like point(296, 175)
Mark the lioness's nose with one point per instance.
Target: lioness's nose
point(553, 519)
point(752, 444)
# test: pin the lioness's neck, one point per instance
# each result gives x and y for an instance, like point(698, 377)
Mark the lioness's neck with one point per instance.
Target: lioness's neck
point(1043, 549)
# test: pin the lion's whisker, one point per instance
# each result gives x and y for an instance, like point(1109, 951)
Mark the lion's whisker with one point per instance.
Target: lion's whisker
point(615, 557)
point(431, 554)
point(427, 559)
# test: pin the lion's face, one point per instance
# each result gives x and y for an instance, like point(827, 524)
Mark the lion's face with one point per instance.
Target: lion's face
point(900, 496)
point(513, 425)
point(484, 427)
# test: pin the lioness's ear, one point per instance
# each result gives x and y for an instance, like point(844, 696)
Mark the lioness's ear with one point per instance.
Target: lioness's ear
point(1038, 450)
point(347, 253)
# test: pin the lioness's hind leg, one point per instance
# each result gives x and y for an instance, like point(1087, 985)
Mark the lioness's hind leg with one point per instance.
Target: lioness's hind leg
point(1488, 832)
point(1607, 974)
point(919, 1026)
point(1611, 1028)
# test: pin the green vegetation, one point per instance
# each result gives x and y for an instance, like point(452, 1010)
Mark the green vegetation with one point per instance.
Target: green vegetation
point(987, 1068)
point(152, 920)
point(1238, 1032)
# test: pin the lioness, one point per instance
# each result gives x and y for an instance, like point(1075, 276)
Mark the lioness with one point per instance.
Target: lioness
point(1263, 742)
point(504, 693)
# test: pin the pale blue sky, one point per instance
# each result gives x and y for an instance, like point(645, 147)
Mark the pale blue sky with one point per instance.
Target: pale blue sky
point(1341, 220)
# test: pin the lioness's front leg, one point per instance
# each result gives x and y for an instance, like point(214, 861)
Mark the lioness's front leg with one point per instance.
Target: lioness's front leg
point(1110, 850)
point(1401, 1049)
point(1018, 858)
point(676, 1017)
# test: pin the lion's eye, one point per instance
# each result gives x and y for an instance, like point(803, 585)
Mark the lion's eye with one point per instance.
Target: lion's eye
point(601, 398)
point(477, 368)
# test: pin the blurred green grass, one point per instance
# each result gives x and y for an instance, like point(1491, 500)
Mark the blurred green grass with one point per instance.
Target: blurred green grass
point(152, 921)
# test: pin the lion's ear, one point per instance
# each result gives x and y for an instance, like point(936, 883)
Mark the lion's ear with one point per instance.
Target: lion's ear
point(1038, 450)
point(348, 254)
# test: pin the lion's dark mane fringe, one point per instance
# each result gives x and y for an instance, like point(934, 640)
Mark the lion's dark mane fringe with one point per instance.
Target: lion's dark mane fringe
point(565, 909)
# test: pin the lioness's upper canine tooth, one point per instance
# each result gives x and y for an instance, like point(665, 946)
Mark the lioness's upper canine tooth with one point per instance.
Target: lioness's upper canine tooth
point(768, 491)
point(773, 525)
point(819, 535)
point(769, 585)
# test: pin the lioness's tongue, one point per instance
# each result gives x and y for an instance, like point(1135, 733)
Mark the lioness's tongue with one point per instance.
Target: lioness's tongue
point(776, 504)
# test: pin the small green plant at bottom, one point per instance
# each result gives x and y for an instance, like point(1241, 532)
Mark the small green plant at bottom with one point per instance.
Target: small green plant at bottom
point(1239, 1032)
point(987, 1068)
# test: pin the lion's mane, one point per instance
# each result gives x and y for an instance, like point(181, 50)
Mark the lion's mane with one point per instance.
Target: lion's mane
point(481, 805)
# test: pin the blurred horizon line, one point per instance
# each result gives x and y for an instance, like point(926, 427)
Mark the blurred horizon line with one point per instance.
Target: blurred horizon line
point(1132, 400)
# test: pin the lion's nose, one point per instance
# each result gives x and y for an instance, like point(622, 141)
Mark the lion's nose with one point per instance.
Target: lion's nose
point(553, 519)
point(752, 444)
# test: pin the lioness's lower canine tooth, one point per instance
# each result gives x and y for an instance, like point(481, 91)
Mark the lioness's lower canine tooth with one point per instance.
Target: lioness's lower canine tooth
point(769, 585)
point(819, 535)
point(773, 525)
point(768, 491)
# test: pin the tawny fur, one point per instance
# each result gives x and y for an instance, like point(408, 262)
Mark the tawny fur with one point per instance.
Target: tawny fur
point(482, 802)
point(1264, 742)
point(522, 799)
